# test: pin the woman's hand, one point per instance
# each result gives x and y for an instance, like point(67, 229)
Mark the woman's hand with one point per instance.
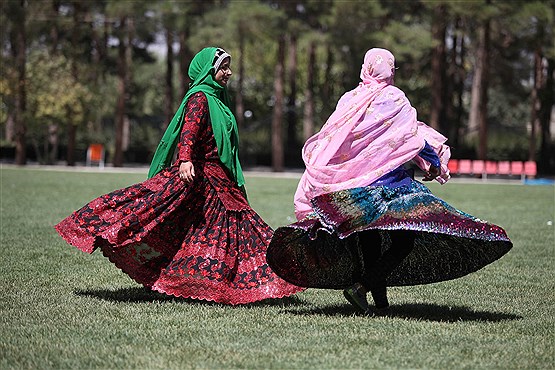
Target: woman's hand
point(432, 173)
point(187, 172)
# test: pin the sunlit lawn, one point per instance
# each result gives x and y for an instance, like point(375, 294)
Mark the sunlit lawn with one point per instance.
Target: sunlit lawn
point(62, 308)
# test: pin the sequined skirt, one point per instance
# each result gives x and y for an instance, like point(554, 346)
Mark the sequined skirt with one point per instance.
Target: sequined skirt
point(323, 251)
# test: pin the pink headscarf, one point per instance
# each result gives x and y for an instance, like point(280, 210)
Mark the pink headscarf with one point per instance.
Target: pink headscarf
point(373, 131)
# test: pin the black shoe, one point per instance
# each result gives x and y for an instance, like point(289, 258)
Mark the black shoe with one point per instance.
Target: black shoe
point(385, 311)
point(357, 297)
point(379, 294)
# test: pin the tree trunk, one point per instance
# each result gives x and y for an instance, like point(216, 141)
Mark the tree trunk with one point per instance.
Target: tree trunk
point(168, 107)
point(185, 56)
point(10, 127)
point(126, 131)
point(104, 46)
point(72, 126)
point(455, 82)
point(239, 105)
point(53, 144)
point(38, 153)
point(327, 87)
point(547, 157)
point(536, 103)
point(98, 57)
point(478, 109)
point(277, 116)
point(292, 145)
point(461, 89)
point(99, 47)
point(71, 143)
point(128, 79)
point(308, 122)
point(123, 72)
point(54, 31)
point(439, 91)
point(95, 52)
point(21, 89)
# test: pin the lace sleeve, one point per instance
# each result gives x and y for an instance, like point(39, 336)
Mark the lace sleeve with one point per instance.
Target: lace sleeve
point(195, 119)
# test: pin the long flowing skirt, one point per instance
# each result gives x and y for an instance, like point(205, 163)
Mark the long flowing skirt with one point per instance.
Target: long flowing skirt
point(198, 241)
point(323, 251)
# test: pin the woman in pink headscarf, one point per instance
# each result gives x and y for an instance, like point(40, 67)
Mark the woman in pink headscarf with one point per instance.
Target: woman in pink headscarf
point(364, 223)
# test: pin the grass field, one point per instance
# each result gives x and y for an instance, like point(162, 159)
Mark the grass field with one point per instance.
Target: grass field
point(62, 308)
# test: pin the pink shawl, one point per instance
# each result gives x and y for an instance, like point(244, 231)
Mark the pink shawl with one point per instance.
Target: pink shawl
point(373, 130)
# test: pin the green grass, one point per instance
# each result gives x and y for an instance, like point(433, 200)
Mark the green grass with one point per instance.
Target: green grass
point(61, 308)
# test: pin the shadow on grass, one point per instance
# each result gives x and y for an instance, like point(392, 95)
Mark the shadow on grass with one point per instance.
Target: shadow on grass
point(425, 312)
point(139, 295)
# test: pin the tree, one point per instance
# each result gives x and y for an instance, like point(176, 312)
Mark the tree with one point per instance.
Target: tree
point(55, 100)
point(547, 152)
point(184, 56)
point(239, 35)
point(173, 23)
point(438, 84)
point(292, 144)
point(351, 39)
point(18, 40)
point(251, 41)
point(124, 61)
point(293, 27)
point(104, 45)
point(478, 123)
point(187, 14)
point(277, 116)
point(72, 122)
point(308, 121)
point(455, 76)
point(535, 28)
point(132, 49)
point(315, 14)
point(168, 107)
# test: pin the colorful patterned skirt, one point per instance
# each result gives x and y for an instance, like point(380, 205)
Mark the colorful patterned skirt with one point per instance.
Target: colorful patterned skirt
point(323, 251)
point(199, 241)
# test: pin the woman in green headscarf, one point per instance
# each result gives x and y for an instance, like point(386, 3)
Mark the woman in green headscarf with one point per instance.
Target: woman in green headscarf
point(188, 230)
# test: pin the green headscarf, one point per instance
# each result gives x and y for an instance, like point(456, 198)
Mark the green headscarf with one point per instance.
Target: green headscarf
point(224, 126)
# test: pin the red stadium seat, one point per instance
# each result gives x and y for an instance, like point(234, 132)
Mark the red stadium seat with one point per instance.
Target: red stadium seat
point(504, 168)
point(517, 169)
point(479, 167)
point(530, 169)
point(453, 166)
point(491, 168)
point(465, 166)
point(484, 169)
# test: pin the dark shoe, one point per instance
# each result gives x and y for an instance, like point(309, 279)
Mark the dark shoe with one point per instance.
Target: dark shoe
point(356, 296)
point(379, 294)
point(385, 311)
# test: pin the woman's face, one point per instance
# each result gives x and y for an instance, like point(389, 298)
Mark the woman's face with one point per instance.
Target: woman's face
point(224, 72)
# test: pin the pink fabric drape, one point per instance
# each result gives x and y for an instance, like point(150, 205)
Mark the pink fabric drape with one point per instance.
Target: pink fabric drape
point(373, 130)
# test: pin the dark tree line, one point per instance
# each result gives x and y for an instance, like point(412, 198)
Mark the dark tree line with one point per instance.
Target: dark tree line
point(77, 72)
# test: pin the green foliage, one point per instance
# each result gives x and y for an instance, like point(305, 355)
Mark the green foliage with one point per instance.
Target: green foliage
point(87, 33)
point(354, 28)
point(62, 308)
point(222, 27)
point(54, 94)
point(6, 94)
point(147, 98)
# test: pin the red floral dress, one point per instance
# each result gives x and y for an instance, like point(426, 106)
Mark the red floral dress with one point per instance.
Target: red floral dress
point(201, 240)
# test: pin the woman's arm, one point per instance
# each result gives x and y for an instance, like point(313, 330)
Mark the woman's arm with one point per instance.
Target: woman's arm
point(428, 154)
point(195, 118)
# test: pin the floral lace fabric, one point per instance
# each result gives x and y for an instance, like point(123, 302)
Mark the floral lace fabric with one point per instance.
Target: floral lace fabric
point(200, 241)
